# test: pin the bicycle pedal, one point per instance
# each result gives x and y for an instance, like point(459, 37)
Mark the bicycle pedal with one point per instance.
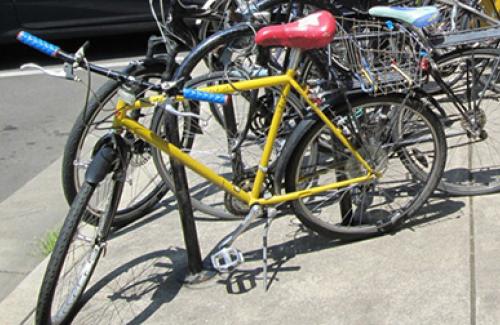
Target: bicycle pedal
point(226, 259)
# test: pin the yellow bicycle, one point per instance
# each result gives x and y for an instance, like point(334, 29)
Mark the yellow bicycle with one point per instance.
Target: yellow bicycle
point(351, 170)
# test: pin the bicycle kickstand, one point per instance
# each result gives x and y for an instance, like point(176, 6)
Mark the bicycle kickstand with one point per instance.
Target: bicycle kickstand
point(269, 215)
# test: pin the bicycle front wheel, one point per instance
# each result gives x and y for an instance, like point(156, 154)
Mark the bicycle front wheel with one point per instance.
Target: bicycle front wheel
point(382, 129)
point(144, 187)
point(76, 253)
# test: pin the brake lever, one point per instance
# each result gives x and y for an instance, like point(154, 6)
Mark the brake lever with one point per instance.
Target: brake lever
point(171, 86)
point(68, 69)
point(66, 73)
point(171, 109)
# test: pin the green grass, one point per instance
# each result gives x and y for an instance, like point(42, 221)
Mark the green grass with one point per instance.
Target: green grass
point(48, 243)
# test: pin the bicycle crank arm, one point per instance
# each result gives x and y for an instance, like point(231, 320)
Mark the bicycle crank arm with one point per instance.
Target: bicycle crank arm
point(228, 257)
point(255, 212)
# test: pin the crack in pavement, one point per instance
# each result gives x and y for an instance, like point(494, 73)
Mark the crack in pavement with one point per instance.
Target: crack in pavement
point(14, 272)
point(472, 256)
point(472, 263)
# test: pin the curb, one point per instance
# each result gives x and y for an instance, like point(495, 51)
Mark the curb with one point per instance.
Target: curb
point(11, 311)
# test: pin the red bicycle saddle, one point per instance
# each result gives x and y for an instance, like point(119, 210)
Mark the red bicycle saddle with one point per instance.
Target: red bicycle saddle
point(311, 32)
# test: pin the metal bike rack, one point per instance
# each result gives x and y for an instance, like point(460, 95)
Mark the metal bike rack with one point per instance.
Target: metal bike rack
point(196, 272)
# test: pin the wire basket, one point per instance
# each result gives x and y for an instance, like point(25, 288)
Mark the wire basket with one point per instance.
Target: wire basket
point(383, 57)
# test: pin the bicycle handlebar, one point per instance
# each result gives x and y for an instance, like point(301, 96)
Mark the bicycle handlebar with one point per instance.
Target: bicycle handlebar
point(204, 96)
point(38, 43)
point(55, 51)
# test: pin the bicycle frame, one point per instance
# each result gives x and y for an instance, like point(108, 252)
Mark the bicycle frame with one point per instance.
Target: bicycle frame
point(252, 197)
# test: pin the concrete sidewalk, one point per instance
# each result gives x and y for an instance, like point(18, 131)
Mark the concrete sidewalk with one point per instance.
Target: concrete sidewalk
point(442, 268)
point(26, 217)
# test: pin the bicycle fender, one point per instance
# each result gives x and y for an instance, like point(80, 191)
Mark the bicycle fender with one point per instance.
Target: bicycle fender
point(101, 164)
point(109, 153)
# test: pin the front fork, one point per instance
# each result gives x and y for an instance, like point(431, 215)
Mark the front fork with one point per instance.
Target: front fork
point(111, 155)
point(109, 213)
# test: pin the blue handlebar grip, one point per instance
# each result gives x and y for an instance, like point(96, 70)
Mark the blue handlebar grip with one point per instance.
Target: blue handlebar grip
point(204, 96)
point(37, 43)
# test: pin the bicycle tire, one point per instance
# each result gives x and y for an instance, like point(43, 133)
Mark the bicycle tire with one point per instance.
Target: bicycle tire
point(72, 173)
point(356, 220)
point(56, 270)
point(471, 175)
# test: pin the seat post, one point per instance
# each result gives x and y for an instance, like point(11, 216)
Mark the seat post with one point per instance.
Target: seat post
point(294, 60)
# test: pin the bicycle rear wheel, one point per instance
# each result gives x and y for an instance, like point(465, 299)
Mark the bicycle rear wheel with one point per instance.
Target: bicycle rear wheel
point(381, 128)
point(473, 162)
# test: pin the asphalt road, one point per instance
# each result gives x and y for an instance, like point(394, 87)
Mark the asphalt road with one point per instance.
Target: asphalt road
point(36, 116)
point(37, 111)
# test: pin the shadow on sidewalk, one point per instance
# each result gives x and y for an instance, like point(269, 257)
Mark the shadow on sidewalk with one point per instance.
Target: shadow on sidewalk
point(164, 207)
point(135, 290)
point(304, 242)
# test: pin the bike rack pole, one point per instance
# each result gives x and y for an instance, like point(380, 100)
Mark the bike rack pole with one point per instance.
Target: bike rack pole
point(196, 272)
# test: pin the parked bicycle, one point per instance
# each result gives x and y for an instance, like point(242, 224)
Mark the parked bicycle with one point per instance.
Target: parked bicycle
point(352, 166)
point(332, 157)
